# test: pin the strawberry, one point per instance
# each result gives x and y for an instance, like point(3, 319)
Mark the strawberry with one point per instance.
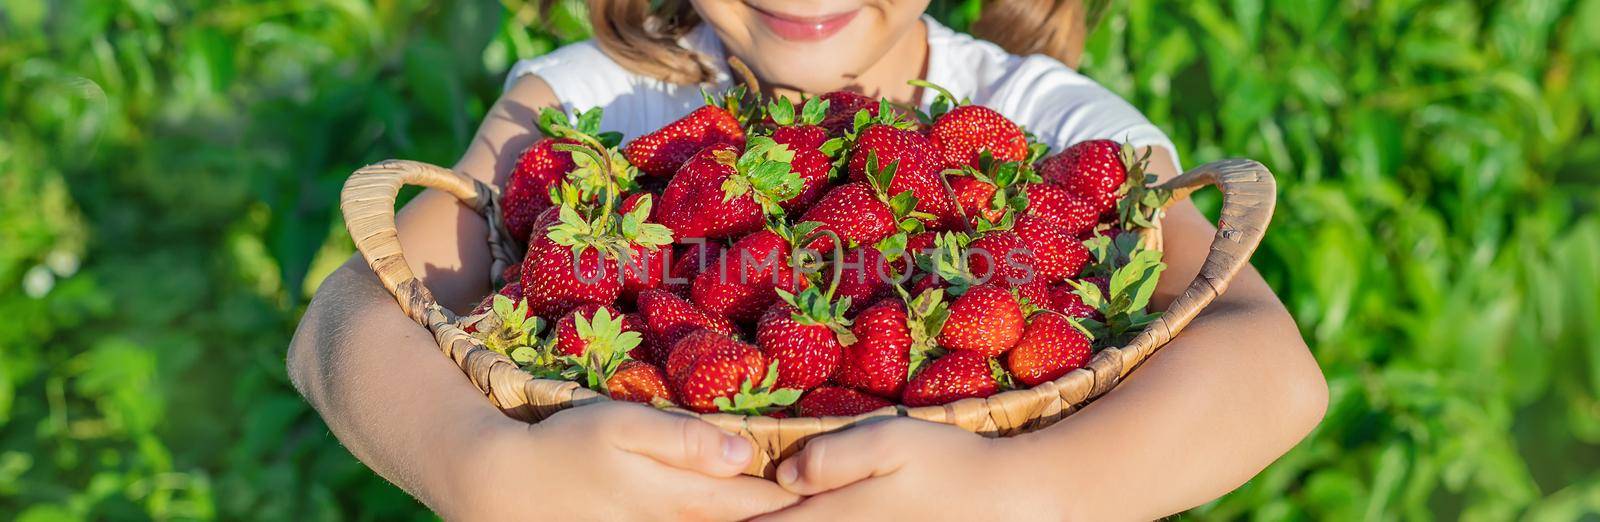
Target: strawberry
point(1050, 347)
point(661, 153)
point(546, 163)
point(569, 339)
point(1059, 254)
point(963, 133)
point(668, 318)
point(721, 193)
point(833, 401)
point(638, 381)
point(804, 334)
point(511, 290)
point(713, 372)
point(1065, 300)
point(746, 280)
point(864, 274)
point(878, 361)
point(1056, 204)
point(1002, 257)
point(1090, 169)
point(985, 320)
point(913, 166)
point(891, 340)
point(527, 192)
point(558, 277)
point(803, 134)
point(853, 211)
point(594, 350)
point(842, 109)
point(959, 375)
point(975, 197)
point(1033, 296)
point(506, 325)
point(645, 268)
point(690, 260)
point(541, 167)
point(577, 260)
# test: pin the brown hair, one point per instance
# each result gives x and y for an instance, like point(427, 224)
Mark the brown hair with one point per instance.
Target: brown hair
point(642, 35)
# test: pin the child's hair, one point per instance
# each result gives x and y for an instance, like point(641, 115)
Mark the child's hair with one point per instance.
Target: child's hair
point(642, 35)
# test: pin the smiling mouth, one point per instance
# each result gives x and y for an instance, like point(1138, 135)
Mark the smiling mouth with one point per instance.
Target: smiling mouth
point(804, 28)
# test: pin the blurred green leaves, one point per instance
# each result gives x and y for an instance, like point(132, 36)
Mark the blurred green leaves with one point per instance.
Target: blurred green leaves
point(168, 174)
point(1435, 235)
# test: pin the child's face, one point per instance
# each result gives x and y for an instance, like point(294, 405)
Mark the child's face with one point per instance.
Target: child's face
point(812, 45)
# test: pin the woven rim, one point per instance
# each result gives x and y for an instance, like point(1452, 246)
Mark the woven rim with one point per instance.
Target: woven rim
point(368, 203)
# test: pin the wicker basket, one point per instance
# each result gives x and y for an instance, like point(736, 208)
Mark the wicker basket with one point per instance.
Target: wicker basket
point(368, 202)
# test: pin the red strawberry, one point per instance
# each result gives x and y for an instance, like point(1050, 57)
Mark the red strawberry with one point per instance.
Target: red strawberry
point(556, 279)
point(853, 211)
point(541, 167)
point(985, 320)
point(569, 341)
point(964, 133)
point(1002, 257)
point(1050, 347)
point(668, 318)
point(645, 268)
point(842, 109)
point(803, 134)
point(959, 375)
point(713, 372)
point(911, 164)
point(1090, 169)
point(637, 381)
point(1059, 253)
point(512, 290)
point(1035, 294)
point(692, 259)
point(805, 335)
point(833, 401)
point(976, 198)
point(864, 276)
point(810, 164)
point(662, 152)
point(891, 340)
point(745, 280)
point(720, 193)
point(1056, 204)
point(1069, 303)
point(878, 361)
point(527, 193)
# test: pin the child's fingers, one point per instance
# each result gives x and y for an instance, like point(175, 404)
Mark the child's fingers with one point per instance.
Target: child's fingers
point(736, 498)
point(833, 505)
point(680, 441)
point(840, 459)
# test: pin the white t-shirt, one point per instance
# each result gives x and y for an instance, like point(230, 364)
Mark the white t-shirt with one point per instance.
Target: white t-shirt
point(1040, 93)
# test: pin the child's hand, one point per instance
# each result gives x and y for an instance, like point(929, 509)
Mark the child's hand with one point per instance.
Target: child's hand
point(905, 469)
point(611, 461)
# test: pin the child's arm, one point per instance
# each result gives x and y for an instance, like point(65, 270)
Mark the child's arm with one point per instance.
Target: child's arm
point(410, 414)
point(1235, 390)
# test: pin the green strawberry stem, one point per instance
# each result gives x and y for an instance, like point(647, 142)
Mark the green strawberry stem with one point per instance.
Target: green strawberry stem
point(838, 255)
point(598, 154)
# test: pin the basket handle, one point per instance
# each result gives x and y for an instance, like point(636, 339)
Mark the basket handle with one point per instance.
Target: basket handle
point(1249, 194)
point(368, 205)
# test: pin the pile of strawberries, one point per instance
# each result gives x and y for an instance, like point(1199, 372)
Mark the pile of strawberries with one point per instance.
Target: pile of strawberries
point(827, 258)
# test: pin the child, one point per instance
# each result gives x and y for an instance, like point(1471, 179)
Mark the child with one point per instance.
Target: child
point(1235, 391)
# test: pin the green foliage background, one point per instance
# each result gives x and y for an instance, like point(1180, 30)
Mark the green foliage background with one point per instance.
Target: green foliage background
point(168, 173)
